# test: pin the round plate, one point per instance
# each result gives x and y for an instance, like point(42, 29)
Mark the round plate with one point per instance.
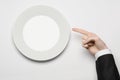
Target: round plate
point(64, 29)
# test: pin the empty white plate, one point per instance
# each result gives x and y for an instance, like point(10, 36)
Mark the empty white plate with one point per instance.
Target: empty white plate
point(41, 33)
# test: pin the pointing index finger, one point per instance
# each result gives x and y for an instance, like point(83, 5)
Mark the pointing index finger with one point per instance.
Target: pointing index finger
point(81, 31)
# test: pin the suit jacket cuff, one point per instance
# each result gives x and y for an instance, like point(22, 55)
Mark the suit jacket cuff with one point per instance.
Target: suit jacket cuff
point(102, 52)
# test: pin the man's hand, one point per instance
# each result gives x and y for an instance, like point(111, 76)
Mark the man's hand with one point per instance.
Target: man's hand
point(91, 41)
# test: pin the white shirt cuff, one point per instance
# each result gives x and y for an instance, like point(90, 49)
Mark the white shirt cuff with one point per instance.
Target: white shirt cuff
point(102, 52)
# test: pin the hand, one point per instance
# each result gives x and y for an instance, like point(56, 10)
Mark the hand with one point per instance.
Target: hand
point(91, 41)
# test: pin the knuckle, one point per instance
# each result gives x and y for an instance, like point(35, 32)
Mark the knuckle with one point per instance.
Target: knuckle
point(92, 34)
point(97, 38)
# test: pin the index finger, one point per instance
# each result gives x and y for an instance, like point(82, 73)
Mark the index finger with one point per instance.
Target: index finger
point(81, 31)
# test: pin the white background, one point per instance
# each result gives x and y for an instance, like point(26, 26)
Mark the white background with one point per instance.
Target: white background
point(99, 16)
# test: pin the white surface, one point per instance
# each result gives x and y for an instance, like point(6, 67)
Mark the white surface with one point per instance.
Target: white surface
point(99, 16)
point(55, 16)
point(41, 33)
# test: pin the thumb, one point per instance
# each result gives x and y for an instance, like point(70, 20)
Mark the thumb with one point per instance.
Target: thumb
point(89, 40)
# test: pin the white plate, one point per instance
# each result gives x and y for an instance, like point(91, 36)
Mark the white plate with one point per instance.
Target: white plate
point(64, 30)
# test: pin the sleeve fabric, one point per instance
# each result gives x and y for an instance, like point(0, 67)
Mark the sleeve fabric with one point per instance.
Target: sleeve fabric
point(106, 68)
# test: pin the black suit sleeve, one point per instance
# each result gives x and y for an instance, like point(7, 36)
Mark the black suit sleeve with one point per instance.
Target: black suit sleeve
point(106, 68)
